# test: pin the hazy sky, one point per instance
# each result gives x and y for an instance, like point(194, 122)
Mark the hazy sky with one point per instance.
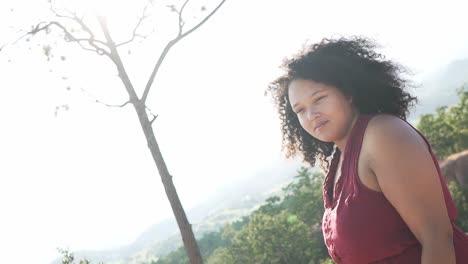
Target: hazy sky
point(85, 179)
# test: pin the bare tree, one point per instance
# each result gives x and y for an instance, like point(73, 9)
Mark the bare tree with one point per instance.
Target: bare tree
point(66, 21)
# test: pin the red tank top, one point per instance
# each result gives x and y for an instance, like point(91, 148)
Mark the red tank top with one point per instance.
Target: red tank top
point(361, 226)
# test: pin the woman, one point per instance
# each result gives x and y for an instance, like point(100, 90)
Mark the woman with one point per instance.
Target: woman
point(385, 198)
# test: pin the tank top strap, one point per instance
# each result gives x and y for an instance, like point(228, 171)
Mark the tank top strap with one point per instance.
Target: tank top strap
point(352, 151)
point(351, 159)
point(354, 143)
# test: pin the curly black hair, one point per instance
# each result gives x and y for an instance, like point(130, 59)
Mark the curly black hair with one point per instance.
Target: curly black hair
point(354, 67)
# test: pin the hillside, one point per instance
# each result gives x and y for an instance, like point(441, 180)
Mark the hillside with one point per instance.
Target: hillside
point(231, 203)
point(440, 88)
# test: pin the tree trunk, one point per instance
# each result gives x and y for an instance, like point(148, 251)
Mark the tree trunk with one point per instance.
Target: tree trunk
point(190, 244)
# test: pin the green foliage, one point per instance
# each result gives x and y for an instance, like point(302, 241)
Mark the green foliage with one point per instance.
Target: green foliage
point(281, 238)
point(304, 197)
point(176, 257)
point(207, 245)
point(221, 255)
point(68, 257)
point(460, 197)
point(447, 129)
point(283, 230)
point(327, 261)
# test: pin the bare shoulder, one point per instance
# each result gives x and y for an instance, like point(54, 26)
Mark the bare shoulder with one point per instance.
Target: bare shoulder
point(407, 176)
point(390, 130)
point(388, 137)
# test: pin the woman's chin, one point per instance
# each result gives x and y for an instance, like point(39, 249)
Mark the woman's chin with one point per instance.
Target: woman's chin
point(324, 139)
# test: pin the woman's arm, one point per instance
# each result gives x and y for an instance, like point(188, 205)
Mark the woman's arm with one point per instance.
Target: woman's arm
point(408, 178)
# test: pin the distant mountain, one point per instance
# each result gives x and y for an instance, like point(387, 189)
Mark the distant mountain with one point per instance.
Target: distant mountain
point(231, 203)
point(440, 88)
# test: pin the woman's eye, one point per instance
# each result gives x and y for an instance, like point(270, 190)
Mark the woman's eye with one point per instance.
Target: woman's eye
point(320, 98)
point(299, 111)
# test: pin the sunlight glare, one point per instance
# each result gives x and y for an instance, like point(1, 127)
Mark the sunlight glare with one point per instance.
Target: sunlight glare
point(113, 11)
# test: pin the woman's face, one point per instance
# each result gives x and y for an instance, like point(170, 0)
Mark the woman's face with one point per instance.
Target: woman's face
point(323, 110)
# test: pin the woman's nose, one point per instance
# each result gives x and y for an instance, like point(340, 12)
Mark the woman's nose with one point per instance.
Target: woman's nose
point(312, 114)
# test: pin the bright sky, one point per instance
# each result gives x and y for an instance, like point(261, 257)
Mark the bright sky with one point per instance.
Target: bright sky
point(85, 178)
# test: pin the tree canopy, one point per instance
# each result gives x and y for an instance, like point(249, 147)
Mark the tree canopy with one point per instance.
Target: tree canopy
point(447, 129)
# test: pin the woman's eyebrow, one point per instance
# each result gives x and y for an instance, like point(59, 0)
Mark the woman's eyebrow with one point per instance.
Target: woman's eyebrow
point(311, 95)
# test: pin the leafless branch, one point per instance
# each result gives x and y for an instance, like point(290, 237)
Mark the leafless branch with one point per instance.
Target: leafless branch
point(59, 15)
point(68, 37)
point(135, 29)
point(86, 40)
point(74, 17)
point(115, 57)
point(20, 38)
point(154, 118)
point(204, 20)
point(181, 21)
point(152, 115)
point(80, 20)
point(100, 102)
point(156, 68)
point(122, 105)
point(172, 43)
point(92, 38)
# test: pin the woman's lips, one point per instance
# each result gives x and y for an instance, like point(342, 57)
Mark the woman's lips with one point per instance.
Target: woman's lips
point(319, 125)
